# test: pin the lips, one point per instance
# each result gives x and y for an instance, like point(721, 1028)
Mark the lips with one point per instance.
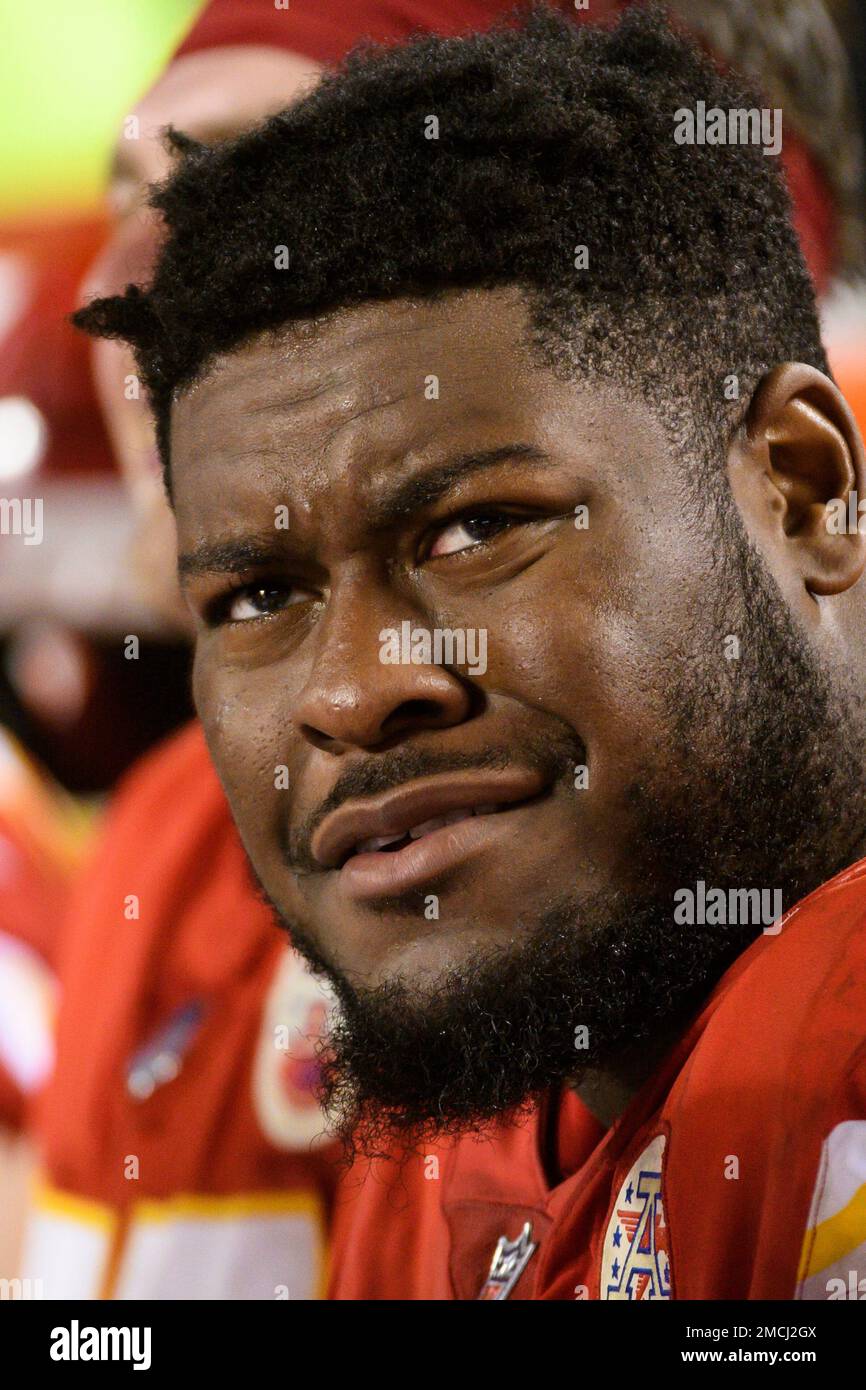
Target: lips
point(384, 826)
point(417, 832)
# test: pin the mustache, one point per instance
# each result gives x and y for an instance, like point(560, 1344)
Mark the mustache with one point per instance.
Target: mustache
point(555, 756)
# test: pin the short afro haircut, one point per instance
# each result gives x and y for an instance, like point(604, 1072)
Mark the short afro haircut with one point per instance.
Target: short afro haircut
point(486, 161)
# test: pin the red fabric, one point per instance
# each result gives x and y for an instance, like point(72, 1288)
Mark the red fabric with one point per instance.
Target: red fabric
point(41, 845)
point(33, 889)
point(776, 1060)
point(202, 935)
point(816, 219)
point(42, 357)
point(12, 1104)
point(325, 30)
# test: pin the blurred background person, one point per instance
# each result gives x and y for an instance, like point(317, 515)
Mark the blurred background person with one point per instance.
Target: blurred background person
point(73, 712)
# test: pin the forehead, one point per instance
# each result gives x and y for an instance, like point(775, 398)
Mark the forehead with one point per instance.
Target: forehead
point(358, 367)
point(365, 358)
point(346, 399)
point(210, 96)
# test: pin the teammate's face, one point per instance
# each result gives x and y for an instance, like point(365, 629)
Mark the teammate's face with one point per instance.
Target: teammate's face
point(211, 96)
point(407, 473)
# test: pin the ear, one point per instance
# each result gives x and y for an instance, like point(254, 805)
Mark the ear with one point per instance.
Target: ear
point(803, 440)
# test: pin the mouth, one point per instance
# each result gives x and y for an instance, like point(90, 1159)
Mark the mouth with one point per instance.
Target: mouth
point(392, 844)
point(386, 845)
point(411, 862)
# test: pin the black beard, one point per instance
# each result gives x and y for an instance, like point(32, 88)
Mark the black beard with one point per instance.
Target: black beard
point(769, 749)
point(595, 979)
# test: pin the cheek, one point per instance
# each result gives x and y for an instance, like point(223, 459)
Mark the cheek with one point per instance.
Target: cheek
point(588, 650)
point(124, 406)
point(241, 718)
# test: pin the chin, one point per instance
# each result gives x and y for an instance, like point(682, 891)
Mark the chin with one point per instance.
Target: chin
point(428, 954)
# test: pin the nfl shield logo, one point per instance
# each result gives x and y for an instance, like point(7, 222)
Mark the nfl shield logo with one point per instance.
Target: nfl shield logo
point(510, 1259)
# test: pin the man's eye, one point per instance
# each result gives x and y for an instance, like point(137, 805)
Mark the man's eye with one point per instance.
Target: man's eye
point(258, 601)
point(472, 530)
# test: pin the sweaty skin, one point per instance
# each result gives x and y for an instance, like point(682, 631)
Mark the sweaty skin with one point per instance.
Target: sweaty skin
point(333, 421)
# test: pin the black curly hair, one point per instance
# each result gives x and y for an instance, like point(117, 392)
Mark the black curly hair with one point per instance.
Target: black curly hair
point(551, 135)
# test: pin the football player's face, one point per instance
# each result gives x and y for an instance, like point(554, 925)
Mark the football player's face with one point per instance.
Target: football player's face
point(346, 497)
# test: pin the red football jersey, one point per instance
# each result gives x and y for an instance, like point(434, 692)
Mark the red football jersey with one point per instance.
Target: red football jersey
point(44, 836)
point(183, 1151)
point(737, 1172)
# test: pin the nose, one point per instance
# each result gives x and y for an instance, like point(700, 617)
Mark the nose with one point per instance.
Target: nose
point(355, 699)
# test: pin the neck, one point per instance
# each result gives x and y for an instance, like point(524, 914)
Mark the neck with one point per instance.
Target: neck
point(607, 1092)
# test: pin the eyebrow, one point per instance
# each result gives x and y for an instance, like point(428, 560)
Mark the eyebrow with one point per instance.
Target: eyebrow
point(425, 488)
point(407, 497)
point(229, 557)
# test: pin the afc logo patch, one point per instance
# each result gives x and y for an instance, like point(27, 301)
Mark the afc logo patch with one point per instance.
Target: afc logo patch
point(635, 1259)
